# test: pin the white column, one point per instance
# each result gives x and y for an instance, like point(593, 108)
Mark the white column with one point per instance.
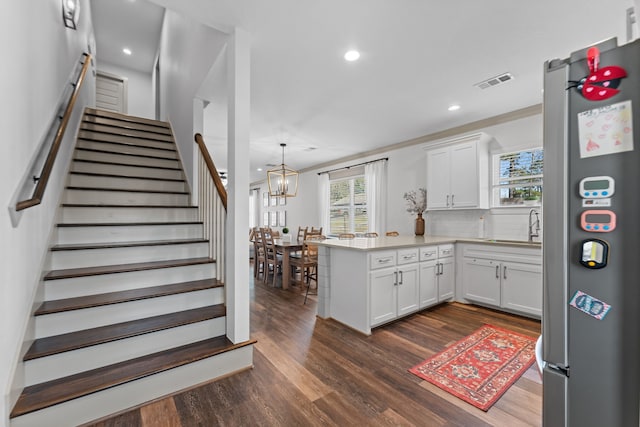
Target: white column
point(237, 280)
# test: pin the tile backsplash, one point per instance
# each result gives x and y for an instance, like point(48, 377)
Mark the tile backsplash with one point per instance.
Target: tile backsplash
point(508, 223)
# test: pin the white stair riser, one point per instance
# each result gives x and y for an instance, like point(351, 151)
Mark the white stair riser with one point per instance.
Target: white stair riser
point(77, 320)
point(124, 131)
point(112, 256)
point(126, 170)
point(75, 215)
point(124, 198)
point(92, 181)
point(92, 285)
point(84, 359)
point(126, 160)
point(127, 233)
point(127, 149)
point(142, 142)
point(116, 399)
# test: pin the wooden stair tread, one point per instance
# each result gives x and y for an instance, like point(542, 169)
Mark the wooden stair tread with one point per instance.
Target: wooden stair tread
point(107, 175)
point(120, 153)
point(126, 224)
point(113, 245)
point(128, 144)
point(126, 117)
point(123, 268)
point(50, 393)
point(124, 131)
point(125, 190)
point(56, 344)
point(93, 120)
point(101, 162)
point(88, 301)
point(80, 205)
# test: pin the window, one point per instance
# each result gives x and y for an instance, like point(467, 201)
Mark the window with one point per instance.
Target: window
point(517, 178)
point(348, 206)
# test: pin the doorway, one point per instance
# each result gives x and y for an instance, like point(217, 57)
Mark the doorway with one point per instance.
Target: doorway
point(111, 92)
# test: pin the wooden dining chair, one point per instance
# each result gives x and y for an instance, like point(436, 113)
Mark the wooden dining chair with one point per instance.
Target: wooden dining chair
point(392, 233)
point(307, 264)
point(346, 236)
point(273, 260)
point(316, 230)
point(260, 258)
point(302, 232)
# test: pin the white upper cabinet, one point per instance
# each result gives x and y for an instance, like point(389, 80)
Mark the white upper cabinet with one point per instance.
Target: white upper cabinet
point(458, 174)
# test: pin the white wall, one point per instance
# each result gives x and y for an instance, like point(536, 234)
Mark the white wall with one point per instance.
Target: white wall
point(187, 51)
point(406, 170)
point(140, 96)
point(39, 54)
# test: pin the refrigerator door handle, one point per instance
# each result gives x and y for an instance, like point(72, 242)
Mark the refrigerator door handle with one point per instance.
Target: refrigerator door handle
point(555, 213)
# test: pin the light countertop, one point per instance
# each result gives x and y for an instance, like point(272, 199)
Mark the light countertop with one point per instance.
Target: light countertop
point(396, 242)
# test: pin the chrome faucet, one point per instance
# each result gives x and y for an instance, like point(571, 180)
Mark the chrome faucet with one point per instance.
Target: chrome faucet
point(534, 224)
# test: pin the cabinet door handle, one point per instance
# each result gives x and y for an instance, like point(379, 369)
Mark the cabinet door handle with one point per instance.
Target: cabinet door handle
point(447, 200)
point(441, 268)
point(401, 278)
point(396, 280)
point(497, 271)
point(452, 200)
point(504, 272)
point(384, 260)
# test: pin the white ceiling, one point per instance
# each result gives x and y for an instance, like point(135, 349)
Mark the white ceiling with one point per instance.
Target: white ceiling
point(417, 58)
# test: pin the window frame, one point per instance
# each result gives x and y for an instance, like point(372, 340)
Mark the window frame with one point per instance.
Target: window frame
point(352, 207)
point(498, 183)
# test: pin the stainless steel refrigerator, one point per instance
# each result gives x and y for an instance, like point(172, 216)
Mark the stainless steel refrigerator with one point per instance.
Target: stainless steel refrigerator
point(591, 240)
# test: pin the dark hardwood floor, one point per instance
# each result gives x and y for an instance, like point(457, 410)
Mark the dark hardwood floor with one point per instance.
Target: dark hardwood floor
point(314, 372)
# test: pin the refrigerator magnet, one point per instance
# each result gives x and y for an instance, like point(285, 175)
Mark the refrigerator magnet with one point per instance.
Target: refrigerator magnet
point(589, 305)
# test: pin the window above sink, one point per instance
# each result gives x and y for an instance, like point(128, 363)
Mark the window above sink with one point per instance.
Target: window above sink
point(517, 178)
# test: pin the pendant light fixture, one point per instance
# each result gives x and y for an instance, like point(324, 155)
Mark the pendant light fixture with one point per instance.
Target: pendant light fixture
point(283, 181)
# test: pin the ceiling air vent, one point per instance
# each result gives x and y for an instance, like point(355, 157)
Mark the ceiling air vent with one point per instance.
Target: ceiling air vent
point(494, 81)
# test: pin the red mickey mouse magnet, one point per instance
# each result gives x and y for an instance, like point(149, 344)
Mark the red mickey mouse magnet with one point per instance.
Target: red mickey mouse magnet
point(602, 83)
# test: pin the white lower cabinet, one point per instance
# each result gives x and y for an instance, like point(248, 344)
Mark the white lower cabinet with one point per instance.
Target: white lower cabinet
point(395, 291)
point(511, 280)
point(436, 274)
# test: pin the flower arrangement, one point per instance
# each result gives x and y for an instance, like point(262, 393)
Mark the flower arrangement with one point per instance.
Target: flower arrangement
point(416, 201)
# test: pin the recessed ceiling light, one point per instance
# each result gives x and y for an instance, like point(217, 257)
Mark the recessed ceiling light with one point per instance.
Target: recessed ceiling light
point(352, 55)
point(126, 51)
point(259, 169)
point(454, 107)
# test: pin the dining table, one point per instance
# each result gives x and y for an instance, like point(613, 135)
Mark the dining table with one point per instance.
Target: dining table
point(286, 248)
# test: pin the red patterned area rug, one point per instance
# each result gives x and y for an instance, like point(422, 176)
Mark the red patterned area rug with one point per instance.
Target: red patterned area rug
point(481, 367)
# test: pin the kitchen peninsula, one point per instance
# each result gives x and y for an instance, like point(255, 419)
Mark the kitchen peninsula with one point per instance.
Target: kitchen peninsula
point(366, 282)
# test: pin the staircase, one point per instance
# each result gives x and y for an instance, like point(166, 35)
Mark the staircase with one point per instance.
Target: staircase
point(132, 309)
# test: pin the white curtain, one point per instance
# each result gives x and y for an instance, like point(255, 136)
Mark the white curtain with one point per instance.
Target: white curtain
point(323, 202)
point(375, 175)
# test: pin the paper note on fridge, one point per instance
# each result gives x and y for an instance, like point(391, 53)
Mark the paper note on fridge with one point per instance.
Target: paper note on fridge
point(606, 130)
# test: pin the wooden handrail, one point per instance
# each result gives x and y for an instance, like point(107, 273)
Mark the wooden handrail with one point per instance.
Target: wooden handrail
point(43, 180)
point(222, 192)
